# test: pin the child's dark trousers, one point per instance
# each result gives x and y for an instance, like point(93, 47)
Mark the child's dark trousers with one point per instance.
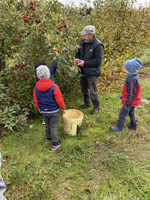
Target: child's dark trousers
point(127, 110)
point(51, 125)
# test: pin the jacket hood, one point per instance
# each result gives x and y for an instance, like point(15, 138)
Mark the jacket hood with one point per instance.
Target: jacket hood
point(44, 84)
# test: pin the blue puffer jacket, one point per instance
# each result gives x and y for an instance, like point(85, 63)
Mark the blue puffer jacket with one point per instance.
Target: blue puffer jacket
point(46, 101)
point(47, 96)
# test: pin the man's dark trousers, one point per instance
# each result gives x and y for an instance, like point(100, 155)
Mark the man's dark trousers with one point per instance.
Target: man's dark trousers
point(89, 89)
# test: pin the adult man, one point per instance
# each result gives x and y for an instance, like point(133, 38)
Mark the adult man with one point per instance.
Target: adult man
point(89, 59)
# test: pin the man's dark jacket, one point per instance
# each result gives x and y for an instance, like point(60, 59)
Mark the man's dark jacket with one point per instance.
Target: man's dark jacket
point(92, 54)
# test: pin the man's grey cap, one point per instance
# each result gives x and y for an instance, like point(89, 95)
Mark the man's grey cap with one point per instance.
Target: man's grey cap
point(87, 30)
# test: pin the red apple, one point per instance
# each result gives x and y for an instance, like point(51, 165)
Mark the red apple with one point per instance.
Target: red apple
point(57, 50)
point(77, 62)
point(60, 27)
point(38, 20)
point(26, 19)
point(31, 3)
point(32, 7)
point(17, 41)
point(21, 66)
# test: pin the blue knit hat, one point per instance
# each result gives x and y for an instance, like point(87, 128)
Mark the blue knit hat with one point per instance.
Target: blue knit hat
point(133, 65)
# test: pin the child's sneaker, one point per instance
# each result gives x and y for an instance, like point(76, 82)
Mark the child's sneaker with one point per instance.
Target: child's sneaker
point(54, 147)
point(43, 122)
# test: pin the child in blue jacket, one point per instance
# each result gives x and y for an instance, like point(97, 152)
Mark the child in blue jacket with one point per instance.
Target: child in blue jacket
point(131, 95)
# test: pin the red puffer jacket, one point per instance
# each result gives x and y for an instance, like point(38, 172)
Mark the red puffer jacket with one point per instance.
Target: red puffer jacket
point(43, 85)
point(132, 92)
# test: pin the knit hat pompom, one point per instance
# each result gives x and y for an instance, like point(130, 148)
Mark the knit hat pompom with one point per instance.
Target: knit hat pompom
point(43, 72)
point(133, 65)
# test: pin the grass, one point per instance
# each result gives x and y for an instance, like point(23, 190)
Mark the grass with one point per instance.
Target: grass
point(96, 165)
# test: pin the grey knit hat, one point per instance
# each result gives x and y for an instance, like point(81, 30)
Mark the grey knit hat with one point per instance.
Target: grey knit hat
point(43, 72)
point(87, 30)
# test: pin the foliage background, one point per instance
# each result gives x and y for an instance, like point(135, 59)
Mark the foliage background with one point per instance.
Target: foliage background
point(31, 31)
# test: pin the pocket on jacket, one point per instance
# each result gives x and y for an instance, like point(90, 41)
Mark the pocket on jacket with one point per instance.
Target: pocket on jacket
point(91, 71)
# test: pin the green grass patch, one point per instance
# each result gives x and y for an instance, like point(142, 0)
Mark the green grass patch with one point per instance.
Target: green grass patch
point(96, 165)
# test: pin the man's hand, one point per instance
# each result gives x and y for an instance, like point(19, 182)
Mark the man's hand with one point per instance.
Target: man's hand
point(81, 63)
point(76, 61)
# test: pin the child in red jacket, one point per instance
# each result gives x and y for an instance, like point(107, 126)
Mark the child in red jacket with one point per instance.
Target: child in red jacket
point(48, 99)
point(52, 69)
point(131, 95)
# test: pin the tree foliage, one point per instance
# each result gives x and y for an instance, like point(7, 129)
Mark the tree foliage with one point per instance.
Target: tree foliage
point(32, 31)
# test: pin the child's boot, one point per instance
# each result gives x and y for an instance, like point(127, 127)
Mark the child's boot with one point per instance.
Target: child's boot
point(132, 125)
point(118, 127)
